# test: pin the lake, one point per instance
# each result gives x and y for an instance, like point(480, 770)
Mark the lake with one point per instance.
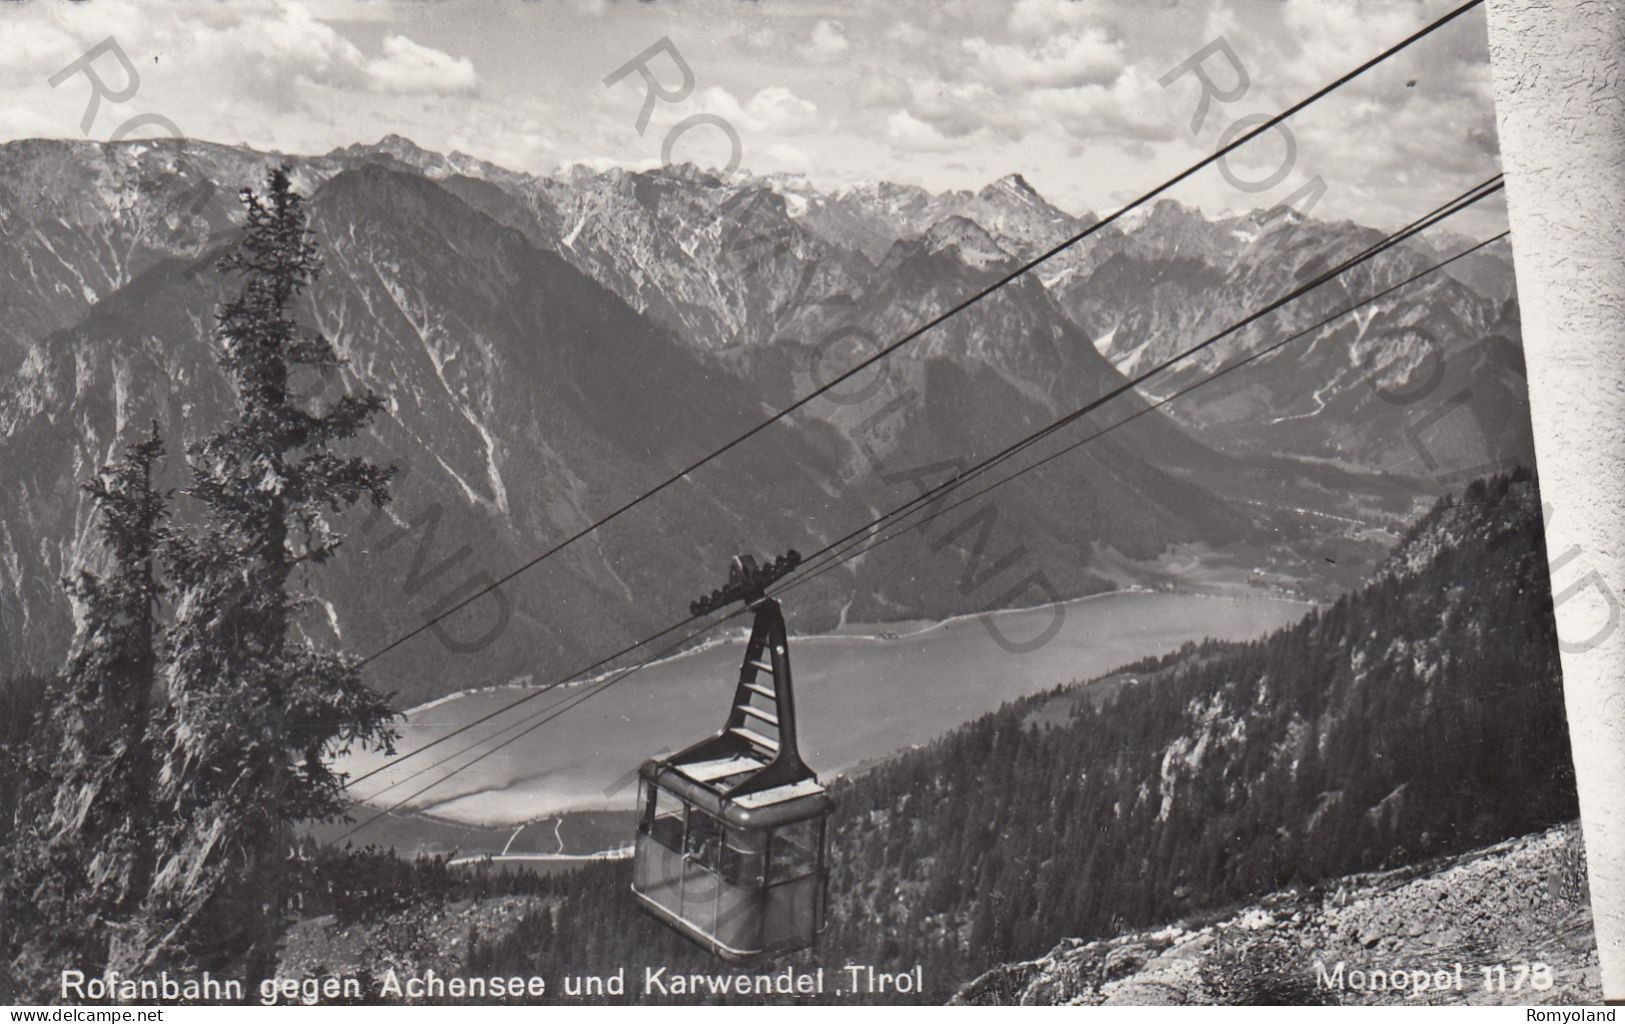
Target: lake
point(858, 697)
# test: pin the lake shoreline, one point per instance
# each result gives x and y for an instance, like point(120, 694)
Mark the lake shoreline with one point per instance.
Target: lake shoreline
point(881, 634)
point(871, 693)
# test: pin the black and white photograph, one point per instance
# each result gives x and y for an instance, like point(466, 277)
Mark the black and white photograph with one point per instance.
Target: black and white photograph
point(594, 502)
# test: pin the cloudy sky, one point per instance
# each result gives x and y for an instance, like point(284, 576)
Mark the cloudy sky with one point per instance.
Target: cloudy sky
point(944, 94)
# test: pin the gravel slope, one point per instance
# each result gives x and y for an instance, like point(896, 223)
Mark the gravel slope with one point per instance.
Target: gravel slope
point(1522, 901)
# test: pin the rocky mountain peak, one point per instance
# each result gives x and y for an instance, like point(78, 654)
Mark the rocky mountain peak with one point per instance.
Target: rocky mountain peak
point(882, 190)
point(687, 172)
point(1012, 183)
point(399, 143)
point(397, 146)
point(428, 162)
point(1170, 212)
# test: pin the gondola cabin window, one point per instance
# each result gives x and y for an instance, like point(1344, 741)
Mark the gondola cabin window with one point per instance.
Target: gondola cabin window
point(744, 858)
point(663, 814)
point(795, 850)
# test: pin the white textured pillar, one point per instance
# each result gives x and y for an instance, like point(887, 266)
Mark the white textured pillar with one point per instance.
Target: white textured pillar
point(1559, 100)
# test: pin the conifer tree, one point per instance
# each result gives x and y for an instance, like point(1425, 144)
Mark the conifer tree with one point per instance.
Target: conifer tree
point(80, 857)
point(258, 709)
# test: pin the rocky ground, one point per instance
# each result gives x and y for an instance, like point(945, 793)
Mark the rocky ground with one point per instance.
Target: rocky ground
point(1517, 904)
point(434, 937)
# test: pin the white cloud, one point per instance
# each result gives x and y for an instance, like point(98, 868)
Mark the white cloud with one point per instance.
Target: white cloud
point(910, 133)
point(28, 48)
point(271, 49)
point(907, 34)
point(27, 122)
point(881, 88)
point(1048, 64)
point(1332, 38)
point(257, 53)
point(778, 109)
point(773, 109)
point(960, 108)
point(943, 92)
point(1040, 19)
point(828, 40)
point(1088, 56)
point(409, 67)
point(785, 157)
point(350, 10)
point(743, 34)
point(1130, 106)
point(290, 46)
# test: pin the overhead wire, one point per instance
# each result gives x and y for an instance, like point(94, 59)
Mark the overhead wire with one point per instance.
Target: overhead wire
point(860, 548)
point(567, 704)
point(811, 566)
point(1264, 125)
point(1463, 200)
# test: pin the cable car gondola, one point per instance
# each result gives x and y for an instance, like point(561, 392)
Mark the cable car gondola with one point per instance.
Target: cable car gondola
point(731, 841)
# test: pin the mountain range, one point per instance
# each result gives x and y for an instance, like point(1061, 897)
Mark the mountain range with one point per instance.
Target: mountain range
point(550, 346)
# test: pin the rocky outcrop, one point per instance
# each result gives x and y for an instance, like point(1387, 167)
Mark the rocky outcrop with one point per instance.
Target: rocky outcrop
point(429, 937)
point(1513, 905)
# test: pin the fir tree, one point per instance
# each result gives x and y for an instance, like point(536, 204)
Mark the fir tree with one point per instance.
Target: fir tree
point(80, 857)
point(257, 708)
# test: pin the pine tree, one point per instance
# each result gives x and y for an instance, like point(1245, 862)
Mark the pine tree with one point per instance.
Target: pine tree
point(257, 708)
point(80, 858)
